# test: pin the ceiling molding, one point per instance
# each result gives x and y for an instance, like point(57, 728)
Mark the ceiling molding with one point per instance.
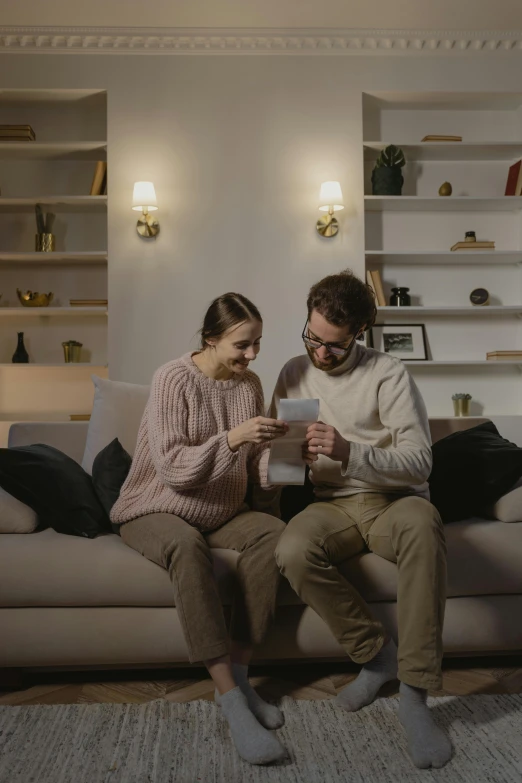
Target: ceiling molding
point(149, 40)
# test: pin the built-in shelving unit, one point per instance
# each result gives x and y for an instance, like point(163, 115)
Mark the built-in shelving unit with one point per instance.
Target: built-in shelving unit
point(31, 150)
point(56, 171)
point(51, 312)
point(443, 204)
point(408, 239)
point(445, 257)
point(55, 204)
point(57, 257)
point(466, 310)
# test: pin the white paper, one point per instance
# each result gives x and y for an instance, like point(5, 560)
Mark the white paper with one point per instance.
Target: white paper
point(286, 464)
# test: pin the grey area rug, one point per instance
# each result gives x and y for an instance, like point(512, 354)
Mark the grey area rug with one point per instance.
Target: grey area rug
point(160, 742)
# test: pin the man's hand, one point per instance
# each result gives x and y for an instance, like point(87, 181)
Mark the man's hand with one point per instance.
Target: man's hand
point(324, 439)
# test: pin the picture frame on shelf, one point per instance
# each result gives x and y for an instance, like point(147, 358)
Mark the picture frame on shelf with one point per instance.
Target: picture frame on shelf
point(404, 341)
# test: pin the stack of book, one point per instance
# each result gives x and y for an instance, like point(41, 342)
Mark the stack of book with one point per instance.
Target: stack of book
point(88, 302)
point(373, 278)
point(504, 356)
point(481, 245)
point(16, 133)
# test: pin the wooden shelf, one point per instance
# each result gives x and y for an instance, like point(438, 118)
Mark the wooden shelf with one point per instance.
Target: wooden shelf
point(47, 312)
point(442, 204)
point(498, 310)
point(447, 150)
point(55, 365)
point(463, 363)
point(444, 257)
point(58, 203)
point(39, 259)
point(67, 150)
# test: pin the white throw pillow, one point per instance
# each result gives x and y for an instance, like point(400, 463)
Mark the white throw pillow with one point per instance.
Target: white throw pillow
point(117, 411)
point(509, 507)
point(15, 516)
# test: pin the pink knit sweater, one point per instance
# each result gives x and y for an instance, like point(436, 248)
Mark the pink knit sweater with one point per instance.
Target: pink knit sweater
point(182, 464)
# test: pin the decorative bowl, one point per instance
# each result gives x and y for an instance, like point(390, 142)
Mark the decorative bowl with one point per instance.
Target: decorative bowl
point(34, 299)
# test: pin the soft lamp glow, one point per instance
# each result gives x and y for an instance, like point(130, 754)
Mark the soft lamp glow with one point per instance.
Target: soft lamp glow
point(144, 197)
point(330, 197)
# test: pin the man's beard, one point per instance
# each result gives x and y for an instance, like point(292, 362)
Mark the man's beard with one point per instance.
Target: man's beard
point(330, 364)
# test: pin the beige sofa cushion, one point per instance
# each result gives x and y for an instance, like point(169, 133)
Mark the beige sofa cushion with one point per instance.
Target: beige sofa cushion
point(116, 413)
point(51, 569)
point(15, 516)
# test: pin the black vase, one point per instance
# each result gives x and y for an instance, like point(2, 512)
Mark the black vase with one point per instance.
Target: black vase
point(20, 356)
point(400, 297)
point(387, 181)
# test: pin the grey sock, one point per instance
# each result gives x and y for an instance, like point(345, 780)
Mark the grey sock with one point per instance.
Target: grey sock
point(253, 743)
point(362, 691)
point(268, 715)
point(428, 746)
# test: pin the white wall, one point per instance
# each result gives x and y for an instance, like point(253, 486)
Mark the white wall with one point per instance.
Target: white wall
point(237, 148)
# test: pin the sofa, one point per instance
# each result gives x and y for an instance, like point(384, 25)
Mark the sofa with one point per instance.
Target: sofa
point(67, 601)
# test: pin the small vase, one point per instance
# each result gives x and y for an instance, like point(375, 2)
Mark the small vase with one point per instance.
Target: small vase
point(20, 356)
point(400, 297)
point(387, 181)
point(461, 407)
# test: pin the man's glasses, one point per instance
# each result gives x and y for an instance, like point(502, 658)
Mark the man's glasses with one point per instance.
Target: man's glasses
point(332, 348)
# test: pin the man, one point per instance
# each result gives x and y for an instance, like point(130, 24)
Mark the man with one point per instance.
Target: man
point(372, 458)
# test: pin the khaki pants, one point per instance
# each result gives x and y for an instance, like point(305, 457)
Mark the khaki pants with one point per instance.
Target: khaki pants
point(408, 531)
point(185, 552)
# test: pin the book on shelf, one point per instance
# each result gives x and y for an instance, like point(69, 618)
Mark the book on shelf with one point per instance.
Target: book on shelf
point(370, 283)
point(504, 356)
point(80, 416)
point(481, 245)
point(88, 302)
point(441, 137)
point(514, 180)
point(377, 287)
point(100, 173)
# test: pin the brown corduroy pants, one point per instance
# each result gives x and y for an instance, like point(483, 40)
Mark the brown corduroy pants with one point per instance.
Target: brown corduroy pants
point(185, 553)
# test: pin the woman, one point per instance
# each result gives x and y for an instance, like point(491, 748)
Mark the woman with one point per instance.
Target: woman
point(203, 434)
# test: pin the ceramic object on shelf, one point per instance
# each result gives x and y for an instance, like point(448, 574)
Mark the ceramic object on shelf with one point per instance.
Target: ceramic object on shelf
point(479, 297)
point(20, 356)
point(34, 299)
point(445, 189)
point(400, 297)
point(44, 243)
point(72, 351)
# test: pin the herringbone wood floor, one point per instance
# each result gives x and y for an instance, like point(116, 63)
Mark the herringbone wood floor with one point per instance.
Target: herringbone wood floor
point(301, 681)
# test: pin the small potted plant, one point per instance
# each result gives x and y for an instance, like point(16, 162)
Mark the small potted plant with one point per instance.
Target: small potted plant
point(387, 179)
point(461, 404)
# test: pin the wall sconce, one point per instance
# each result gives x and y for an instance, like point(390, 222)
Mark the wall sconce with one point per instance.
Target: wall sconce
point(144, 201)
point(330, 201)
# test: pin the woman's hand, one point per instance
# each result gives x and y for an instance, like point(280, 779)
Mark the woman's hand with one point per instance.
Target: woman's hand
point(257, 430)
point(308, 457)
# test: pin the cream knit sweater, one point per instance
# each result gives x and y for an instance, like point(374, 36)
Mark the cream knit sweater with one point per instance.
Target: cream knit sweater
point(182, 464)
point(373, 402)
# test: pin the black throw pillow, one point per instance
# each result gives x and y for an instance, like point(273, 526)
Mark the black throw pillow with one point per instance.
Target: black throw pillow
point(109, 470)
point(55, 487)
point(471, 471)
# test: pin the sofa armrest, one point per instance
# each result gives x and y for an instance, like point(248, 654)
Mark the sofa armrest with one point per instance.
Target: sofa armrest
point(68, 436)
